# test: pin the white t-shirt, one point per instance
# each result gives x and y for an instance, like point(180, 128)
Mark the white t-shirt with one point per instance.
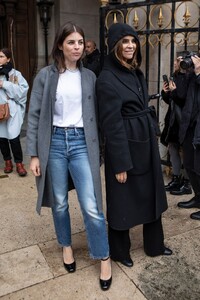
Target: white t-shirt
point(68, 104)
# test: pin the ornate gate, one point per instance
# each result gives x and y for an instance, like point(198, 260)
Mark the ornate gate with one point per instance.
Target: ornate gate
point(165, 29)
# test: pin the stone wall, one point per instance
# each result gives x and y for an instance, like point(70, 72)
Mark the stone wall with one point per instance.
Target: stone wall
point(84, 13)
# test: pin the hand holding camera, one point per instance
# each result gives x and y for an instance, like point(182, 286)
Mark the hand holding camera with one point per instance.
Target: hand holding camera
point(189, 61)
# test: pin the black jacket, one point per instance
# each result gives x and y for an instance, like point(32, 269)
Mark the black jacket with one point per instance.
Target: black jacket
point(130, 145)
point(191, 111)
point(92, 62)
point(176, 101)
point(190, 126)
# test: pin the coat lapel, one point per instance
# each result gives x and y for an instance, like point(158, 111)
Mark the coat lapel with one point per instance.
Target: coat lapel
point(86, 96)
point(127, 79)
point(53, 82)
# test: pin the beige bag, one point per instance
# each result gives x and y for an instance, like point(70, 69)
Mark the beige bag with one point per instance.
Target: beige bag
point(4, 112)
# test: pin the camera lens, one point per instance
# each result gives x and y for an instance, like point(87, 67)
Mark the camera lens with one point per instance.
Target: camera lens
point(186, 63)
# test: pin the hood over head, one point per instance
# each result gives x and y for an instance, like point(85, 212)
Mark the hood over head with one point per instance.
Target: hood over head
point(117, 31)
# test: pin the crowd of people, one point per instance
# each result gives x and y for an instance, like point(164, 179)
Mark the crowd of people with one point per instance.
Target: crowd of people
point(73, 102)
point(182, 128)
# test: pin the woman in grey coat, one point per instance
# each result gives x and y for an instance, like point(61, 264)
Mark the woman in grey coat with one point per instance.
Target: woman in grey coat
point(62, 140)
point(135, 191)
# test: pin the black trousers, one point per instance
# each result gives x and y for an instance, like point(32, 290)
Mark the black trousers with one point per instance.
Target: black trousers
point(188, 161)
point(16, 148)
point(153, 238)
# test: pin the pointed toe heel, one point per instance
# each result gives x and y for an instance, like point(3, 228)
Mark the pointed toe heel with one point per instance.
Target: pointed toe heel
point(105, 284)
point(70, 268)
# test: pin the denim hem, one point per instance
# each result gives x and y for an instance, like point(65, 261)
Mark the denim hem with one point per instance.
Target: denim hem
point(70, 245)
point(99, 257)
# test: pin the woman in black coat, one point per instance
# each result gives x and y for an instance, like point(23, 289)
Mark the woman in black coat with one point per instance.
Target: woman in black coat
point(135, 191)
point(174, 94)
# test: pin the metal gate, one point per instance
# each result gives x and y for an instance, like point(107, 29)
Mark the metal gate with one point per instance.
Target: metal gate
point(165, 29)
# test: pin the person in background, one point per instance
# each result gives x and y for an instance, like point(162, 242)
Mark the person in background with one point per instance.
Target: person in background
point(14, 89)
point(135, 191)
point(92, 57)
point(173, 93)
point(62, 140)
point(189, 136)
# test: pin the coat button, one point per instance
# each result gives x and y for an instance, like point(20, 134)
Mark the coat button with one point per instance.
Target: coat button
point(89, 97)
point(94, 140)
point(91, 119)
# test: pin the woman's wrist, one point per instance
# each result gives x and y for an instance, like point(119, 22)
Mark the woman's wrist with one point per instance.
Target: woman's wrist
point(1, 84)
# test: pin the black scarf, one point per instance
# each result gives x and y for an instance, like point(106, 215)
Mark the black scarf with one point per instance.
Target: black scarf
point(5, 69)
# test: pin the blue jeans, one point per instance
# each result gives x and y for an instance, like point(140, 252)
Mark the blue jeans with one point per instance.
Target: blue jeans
point(68, 153)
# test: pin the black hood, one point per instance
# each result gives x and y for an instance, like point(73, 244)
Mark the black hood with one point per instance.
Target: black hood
point(117, 31)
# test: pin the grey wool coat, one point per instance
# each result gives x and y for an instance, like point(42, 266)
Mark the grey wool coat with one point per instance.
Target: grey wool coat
point(40, 126)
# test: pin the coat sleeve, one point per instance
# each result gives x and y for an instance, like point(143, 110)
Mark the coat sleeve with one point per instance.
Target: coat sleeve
point(112, 126)
point(34, 114)
point(17, 91)
point(180, 93)
point(165, 97)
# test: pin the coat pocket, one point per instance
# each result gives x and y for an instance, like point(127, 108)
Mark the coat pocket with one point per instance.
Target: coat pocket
point(141, 156)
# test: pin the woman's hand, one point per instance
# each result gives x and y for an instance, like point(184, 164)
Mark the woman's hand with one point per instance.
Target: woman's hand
point(35, 166)
point(121, 177)
point(165, 87)
point(172, 85)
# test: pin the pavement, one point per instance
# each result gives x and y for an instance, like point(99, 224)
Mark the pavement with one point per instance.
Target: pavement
point(31, 261)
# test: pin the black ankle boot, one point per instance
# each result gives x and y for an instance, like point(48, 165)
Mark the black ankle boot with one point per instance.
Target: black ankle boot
point(174, 184)
point(185, 189)
point(192, 203)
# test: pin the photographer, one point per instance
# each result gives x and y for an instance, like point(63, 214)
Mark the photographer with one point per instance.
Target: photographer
point(189, 134)
point(174, 93)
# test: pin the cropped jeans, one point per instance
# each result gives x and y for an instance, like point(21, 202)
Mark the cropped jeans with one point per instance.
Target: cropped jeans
point(68, 153)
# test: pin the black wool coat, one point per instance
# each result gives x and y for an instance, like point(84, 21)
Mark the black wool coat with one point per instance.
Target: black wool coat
point(130, 145)
point(190, 126)
point(176, 101)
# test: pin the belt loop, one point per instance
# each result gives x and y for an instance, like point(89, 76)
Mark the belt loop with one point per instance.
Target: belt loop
point(54, 129)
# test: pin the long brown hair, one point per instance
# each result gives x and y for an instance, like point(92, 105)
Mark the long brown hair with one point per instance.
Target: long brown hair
point(64, 31)
point(131, 63)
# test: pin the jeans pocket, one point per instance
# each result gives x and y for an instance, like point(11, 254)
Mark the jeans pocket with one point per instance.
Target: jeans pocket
point(141, 156)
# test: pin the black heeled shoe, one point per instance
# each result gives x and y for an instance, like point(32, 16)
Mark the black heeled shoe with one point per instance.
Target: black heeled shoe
point(71, 268)
point(105, 284)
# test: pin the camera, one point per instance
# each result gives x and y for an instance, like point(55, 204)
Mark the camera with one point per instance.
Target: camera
point(187, 62)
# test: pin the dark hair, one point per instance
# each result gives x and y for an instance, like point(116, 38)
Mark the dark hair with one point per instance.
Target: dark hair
point(64, 31)
point(93, 43)
point(131, 63)
point(6, 52)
